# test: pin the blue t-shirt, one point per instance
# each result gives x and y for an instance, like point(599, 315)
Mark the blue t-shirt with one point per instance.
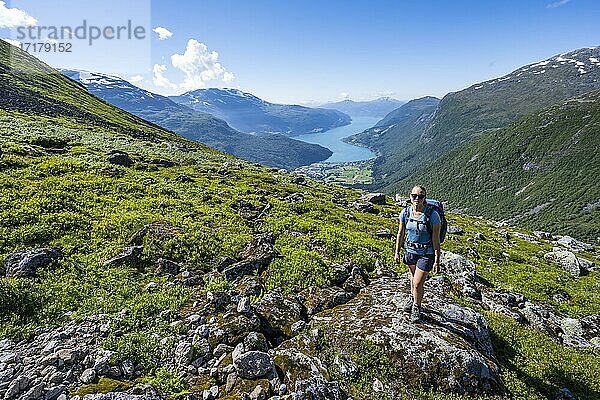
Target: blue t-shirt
point(417, 232)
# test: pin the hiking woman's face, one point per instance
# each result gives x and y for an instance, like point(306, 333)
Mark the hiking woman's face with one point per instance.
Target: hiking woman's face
point(417, 196)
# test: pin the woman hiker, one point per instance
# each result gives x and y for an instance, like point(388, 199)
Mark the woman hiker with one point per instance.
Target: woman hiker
point(421, 246)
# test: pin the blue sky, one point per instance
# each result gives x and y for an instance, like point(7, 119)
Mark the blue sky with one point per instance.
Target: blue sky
point(298, 52)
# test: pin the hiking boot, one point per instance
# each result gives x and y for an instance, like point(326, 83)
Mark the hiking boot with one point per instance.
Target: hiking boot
point(408, 305)
point(415, 313)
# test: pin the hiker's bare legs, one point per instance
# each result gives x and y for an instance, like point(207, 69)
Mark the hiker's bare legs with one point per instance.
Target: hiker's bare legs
point(411, 270)
point(418, 279)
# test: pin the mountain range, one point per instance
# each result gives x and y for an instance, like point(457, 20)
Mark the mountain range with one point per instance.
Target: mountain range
point(377, 108)
point(248, 113)
point(272, 150)
point(411, 150)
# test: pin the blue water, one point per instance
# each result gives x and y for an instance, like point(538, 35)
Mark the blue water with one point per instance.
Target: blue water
point(332, 139)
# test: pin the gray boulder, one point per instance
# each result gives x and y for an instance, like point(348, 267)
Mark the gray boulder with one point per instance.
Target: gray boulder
point(462, 272)
point(128, 256)
point(278, 312)
point(251, 364)
point(373, 198)
point(455, 230)
point(574, 244)
point(567, 260)
point(24, 264)
point(363, 206)
point(120, 158)
point(450, 350)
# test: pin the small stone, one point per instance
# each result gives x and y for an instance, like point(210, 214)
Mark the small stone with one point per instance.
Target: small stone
point(258, 393)
point(565, 394)
point(150, 286)
point(479, 236)
point(88, 376)
point(222, 349)
point(210, 394)
point(384, 233)
point(298, 327)
point(455, 230)
point(34, 393)
point(194, 319)
point(377, 385)
point(243, 306)
point(54, 392)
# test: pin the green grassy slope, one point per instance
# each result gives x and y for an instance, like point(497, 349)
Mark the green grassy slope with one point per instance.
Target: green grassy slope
point(57, 189)
point(463, 115)
point(392, 138)
point(542, 171)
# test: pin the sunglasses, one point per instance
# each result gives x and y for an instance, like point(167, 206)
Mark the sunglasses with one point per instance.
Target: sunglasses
point(414, 196)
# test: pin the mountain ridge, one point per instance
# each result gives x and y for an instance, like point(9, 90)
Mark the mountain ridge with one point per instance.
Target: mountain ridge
point(250, 114)
point(275, 151)
point(463, 115)
point(372, 108)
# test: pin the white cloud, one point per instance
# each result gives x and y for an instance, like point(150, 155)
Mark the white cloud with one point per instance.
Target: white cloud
point(159, 79)
point(13, 42)
point(344, 96)
point(14, 17)
point(557, 4)
point(163, 33)
point(199, 66)
point(136, 78)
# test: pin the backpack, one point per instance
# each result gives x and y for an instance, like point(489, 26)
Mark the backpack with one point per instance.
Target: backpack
point(434, 205)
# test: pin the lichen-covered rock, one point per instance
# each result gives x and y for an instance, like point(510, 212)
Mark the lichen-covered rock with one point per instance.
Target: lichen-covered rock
point(374, 198)
point(567, 260)
point(233, 328)
point(450, 351)
point(317, 388)
point(278, 312)
point(166, 267)
point(255, 257)
point(128, 256)
point(26, 263)
point(320, 299)
point(574, 244)
point(251, 364)
point(256, 341)
point(356, 281)
point(462, 273)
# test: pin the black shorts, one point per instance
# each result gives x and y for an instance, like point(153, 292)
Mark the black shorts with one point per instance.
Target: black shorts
point(423, 262)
